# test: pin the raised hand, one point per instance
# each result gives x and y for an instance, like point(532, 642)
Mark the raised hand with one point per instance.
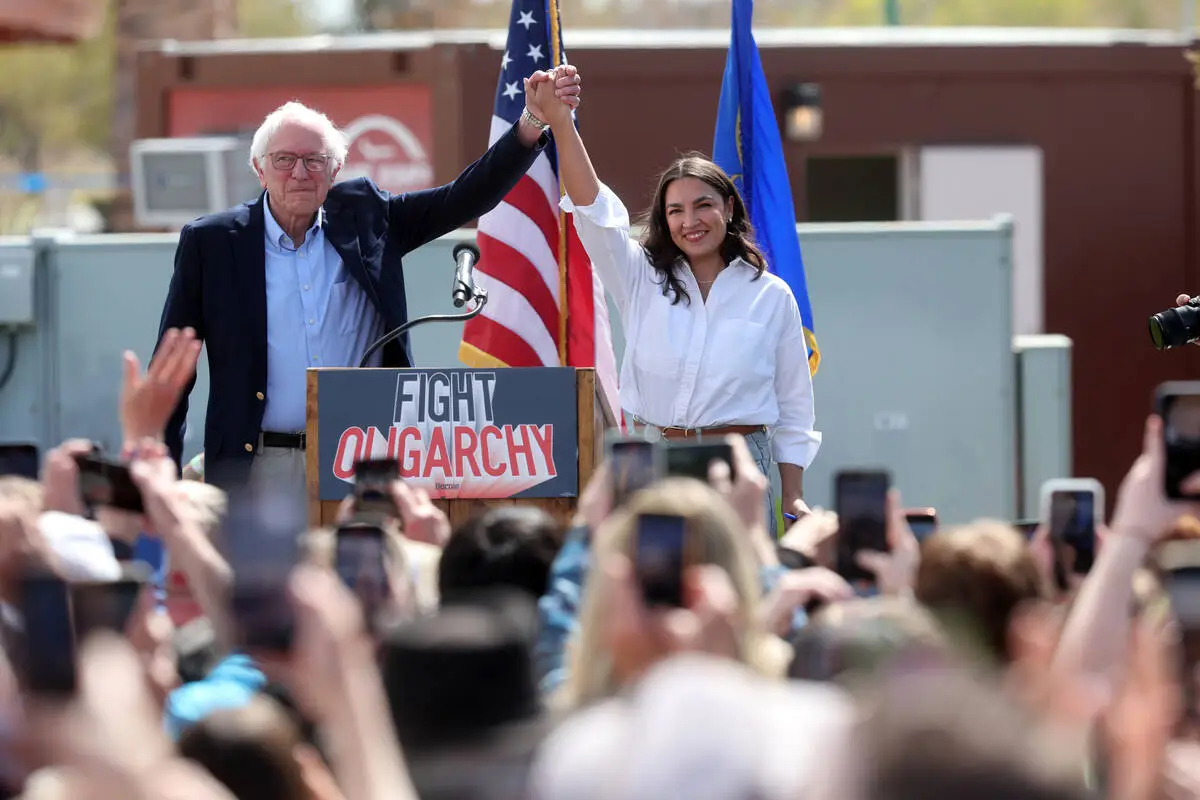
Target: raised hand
point(894, 570)
point(148, 400)
point(794, 590)
point(1182, 300)
point(22, 546)
point(552, 96)
point(1142, 508)
point(421, 520)
point(60, 477)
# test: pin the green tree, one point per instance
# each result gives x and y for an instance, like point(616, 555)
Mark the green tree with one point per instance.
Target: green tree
point(1014, 13)
point(260, 19)
point(55, 96)
point(52, 95)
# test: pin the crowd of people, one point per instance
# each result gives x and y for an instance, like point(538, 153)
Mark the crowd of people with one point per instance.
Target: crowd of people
point(516, 657)
point(512, 659)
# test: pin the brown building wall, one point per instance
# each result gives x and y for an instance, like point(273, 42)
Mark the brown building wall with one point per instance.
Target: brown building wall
point(1117, 125)
point(1118, 131)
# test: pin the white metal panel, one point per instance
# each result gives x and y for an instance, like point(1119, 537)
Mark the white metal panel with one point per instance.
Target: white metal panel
point(968, 182)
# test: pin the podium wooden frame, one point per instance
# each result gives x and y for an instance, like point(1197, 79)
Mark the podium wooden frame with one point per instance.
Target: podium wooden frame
point(594, 415)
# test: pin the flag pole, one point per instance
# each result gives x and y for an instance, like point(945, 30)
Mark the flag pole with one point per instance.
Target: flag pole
point(556, 59)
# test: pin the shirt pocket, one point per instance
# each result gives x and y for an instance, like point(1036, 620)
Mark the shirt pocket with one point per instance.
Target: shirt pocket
point(739, 349)
point(346, 311)
point(657, 345)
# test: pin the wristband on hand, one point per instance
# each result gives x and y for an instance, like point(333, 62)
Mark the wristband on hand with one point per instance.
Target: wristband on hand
point(793, 559)
point(527, 116)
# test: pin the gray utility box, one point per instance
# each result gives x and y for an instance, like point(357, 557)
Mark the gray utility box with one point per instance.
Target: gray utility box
point(16, 284)
point(1043, 415)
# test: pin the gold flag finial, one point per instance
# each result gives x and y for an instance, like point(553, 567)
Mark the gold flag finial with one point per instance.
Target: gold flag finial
point(1193, 58)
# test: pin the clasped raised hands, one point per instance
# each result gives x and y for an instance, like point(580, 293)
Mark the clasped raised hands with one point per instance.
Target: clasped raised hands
point(552, 95)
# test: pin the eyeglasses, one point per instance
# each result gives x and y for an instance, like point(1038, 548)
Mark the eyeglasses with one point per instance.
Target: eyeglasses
point(314, 162)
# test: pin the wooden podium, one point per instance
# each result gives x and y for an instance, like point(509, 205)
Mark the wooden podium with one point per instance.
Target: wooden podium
point(376, 409)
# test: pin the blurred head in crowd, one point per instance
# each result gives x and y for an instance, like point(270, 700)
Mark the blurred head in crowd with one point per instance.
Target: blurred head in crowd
point(715, 537)
point(507, 546)
point(23, 493)
point(297, 153)
point(849, 642)
point(463, 696)
point(974, 577)
point(949, 733)
point(206, 502)
point(697, 727)
point(256, 750)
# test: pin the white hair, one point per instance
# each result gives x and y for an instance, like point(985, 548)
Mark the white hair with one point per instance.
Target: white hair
point(336, 143)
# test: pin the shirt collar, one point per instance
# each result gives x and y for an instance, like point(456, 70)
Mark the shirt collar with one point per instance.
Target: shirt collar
point(276, 234)
point(738, 261)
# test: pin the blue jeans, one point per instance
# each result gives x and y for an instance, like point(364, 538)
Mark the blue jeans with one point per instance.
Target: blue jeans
point(760, 449)
point(759, 444)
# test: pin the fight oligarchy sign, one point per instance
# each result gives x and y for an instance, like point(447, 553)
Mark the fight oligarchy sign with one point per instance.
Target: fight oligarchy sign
point(457, 433)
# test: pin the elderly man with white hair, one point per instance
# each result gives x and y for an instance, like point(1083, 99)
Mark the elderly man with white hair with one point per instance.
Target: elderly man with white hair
point(308, 275)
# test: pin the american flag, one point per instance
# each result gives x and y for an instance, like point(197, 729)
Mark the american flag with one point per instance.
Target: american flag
point(523, 256)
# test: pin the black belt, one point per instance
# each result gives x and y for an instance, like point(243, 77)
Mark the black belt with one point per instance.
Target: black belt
point(288, 441)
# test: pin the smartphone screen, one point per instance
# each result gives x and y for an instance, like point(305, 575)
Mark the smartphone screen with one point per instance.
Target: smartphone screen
point(106, 483)
point(1183, 589)
point(1027, 527)
point(20, 460)
point(261, 536)
point(361, 562)
point(923, 523)
point(106, 606)
point(48, 657)
point(659, 559)
point(1072, 525)
point(1178, 404)
point(372, 482)
point(635, 464)
point(692, 459)
point(861, 500)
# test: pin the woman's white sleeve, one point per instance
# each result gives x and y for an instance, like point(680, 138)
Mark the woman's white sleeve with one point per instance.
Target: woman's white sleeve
point(619, 259)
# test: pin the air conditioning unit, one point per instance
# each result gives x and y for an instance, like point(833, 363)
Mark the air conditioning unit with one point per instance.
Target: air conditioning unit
point(177, 180)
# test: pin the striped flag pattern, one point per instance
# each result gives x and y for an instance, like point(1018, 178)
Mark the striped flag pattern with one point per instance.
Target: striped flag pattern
point(546, 306)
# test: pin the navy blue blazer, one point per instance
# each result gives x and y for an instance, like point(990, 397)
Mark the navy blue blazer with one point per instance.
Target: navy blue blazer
point(219, 286)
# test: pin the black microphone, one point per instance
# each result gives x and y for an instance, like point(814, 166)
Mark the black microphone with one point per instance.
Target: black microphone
point(466, 256)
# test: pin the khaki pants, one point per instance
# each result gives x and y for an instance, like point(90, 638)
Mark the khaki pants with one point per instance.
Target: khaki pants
point(282, 466)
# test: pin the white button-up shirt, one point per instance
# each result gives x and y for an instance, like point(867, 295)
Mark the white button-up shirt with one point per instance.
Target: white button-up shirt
point(738, 359)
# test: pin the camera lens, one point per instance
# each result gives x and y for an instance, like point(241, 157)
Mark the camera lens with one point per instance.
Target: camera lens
point(1175, 327)
point(1156, 331)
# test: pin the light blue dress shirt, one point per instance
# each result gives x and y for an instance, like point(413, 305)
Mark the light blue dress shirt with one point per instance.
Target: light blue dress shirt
point(317, 316)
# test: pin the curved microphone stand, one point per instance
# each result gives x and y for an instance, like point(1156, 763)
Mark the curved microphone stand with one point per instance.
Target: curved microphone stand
point(477, 294)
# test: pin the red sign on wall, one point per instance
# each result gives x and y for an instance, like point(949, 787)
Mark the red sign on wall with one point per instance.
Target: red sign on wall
point(390, 127)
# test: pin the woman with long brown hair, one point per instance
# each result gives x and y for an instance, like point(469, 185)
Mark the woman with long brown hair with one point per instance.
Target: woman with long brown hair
point(714, 344)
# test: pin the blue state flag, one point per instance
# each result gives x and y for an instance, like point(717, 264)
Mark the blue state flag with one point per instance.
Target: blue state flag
point(748, 146)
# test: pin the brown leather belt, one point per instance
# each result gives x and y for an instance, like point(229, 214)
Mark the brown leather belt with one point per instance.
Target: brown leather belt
point(720, 430)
